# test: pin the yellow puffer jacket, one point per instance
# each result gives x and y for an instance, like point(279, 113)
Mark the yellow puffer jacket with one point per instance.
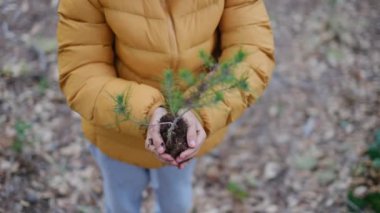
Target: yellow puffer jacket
point(108, 46)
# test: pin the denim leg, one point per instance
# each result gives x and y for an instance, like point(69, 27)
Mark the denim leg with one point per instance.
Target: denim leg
point(174, 192)
point(123, 183)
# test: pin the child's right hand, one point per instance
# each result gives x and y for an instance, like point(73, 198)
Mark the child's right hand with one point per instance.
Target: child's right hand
point(154, 141)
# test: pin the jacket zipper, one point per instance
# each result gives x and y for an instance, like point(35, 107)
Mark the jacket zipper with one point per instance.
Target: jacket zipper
point(172, 37)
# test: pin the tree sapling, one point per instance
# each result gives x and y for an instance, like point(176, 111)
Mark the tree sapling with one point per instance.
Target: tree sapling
point(184, 92)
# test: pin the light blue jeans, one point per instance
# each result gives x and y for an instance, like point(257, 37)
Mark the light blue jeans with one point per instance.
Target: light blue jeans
point(123, 185)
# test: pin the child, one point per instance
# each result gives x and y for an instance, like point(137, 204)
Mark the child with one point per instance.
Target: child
point(106, 46)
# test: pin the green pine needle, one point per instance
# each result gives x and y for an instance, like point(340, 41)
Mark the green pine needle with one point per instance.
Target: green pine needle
point(219, 96)
point(239, 56)
point(187, 76)
point(209, 87)
point(207, 59)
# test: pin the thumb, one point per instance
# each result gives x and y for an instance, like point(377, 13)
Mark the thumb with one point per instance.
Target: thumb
point(191, 135)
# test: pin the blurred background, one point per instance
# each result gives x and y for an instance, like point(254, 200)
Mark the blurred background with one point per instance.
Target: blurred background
point(311, 144)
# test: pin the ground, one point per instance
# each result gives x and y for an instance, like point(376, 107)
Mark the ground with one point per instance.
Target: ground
point(291, 152)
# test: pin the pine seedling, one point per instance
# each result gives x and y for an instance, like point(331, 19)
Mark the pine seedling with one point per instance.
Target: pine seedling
point(183, 91)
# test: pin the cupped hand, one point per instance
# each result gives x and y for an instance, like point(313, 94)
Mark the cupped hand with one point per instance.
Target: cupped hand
point(196, 136)
point(154, 141)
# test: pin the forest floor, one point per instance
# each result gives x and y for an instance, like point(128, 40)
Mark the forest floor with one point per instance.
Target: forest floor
point(291, 152)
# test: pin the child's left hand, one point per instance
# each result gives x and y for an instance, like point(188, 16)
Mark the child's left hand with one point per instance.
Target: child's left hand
point(196, 135)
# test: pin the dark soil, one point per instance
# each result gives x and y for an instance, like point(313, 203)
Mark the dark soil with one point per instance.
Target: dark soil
point(178, 142)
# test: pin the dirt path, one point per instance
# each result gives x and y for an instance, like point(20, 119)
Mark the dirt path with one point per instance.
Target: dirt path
point(293, 151)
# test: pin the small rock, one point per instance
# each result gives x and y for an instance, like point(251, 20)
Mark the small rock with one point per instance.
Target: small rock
point(326, 177)
point(360, 191)
point(10, 132)
point(273, 111)
point(46, 135)
point(5, 165)
point(24, 203)
point(327, 163)
point(329, 134)
point(329, 202)
point(38, 108)
point(59, 184)
point(271, 170)
point(252, 181)
point(88, 172)
point(31, 197)
point(309, 126)
point(349, 128)
point(305, 162)
point(282, 138)
point(316, 152)
point(236, 178)
point(72, 150)
point(15, 167)
point(292, 201)
point(213, 173)
point(272, 208)
point(3, 119)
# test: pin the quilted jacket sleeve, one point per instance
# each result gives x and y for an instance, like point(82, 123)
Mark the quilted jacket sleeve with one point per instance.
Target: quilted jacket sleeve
point(244, 25)
point(87, 75)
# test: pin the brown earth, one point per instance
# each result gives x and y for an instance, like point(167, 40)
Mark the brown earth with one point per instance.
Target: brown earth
point(178, 140)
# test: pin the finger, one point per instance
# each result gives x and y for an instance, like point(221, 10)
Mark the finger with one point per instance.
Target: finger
point(190, 156)
point(201, 136)
point(149, 144)
point(152, 149)
point(191, 135)
point(167, 159)
point(158, 143)
point(149, 141)
point(154, 129)
point(167, 162)
point(185, 161)
point(186, 154)
point(183, 164)
point(146, 144)
point(191, 153)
